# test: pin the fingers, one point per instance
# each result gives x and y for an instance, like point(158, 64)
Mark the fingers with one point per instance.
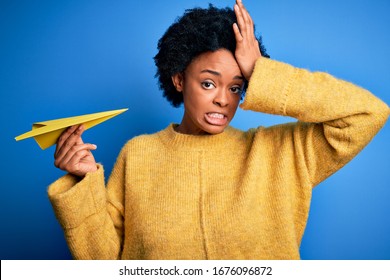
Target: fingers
point(247, 48)
point(68, 138)
point(73, 156)
point(63, 137)
point(240, 20)
point(68, 144)
point(237, 33)
point(247, 18)
point(244, 20)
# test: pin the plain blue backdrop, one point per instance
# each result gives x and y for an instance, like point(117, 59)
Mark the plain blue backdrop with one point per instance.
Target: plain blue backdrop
point(64, 58)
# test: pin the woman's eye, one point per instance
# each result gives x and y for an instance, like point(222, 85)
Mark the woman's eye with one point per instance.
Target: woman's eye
point(236, 90)
point(207, 85)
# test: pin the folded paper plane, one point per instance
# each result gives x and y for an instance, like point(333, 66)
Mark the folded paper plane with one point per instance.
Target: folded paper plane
point(46, 133)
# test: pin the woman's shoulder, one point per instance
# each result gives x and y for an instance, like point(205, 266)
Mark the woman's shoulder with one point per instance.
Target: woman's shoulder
point(142, 141)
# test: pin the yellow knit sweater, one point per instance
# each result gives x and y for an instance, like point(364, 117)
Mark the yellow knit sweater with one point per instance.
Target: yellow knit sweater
point(235, 195)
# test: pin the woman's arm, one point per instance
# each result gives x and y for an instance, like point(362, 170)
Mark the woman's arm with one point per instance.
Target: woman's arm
point(336, 118)
point(90, 214)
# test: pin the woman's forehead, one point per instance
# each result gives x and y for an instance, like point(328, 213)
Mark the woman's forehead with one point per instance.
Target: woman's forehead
point(221, 61)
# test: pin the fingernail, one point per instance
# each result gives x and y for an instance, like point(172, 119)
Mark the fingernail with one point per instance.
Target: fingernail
point(94, 146)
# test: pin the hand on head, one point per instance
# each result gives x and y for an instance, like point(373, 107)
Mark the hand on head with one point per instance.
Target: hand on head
point(247, 48)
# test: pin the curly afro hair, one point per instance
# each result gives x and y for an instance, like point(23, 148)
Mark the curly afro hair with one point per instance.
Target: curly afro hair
point(197, 31)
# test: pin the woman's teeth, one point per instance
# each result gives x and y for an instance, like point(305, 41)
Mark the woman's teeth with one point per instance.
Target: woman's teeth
point(216, 115)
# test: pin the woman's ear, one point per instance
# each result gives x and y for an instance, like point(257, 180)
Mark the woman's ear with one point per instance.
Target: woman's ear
point(178, 80)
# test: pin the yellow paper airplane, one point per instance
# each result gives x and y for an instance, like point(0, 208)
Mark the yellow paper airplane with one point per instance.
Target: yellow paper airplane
point(46, 133)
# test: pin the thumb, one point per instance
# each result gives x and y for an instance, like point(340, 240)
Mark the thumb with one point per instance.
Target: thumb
point(80, 130)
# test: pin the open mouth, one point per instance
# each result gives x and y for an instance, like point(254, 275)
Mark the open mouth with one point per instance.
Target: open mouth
point(214, 118)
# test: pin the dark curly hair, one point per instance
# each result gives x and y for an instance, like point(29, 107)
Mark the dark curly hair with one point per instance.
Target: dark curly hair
point(197, 31)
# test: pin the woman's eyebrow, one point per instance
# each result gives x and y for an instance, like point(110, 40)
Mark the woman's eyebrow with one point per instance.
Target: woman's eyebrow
point(211, 72)
point(238, 77)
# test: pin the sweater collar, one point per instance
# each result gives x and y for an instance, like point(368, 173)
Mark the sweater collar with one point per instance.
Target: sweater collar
point(176, 140)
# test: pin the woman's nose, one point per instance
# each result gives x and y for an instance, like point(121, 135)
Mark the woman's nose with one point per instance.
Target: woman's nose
point(221, 98)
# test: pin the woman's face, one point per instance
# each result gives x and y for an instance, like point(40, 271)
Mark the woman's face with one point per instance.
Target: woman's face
point(211, 87)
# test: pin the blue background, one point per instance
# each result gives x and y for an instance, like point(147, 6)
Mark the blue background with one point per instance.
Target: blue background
point(65, 58)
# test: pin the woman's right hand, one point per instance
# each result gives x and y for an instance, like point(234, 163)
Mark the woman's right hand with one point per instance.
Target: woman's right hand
point(72, 155)
point(247, 46)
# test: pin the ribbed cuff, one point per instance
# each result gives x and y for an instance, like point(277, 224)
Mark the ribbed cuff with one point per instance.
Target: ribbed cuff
point(269, 87)
point(73, 201)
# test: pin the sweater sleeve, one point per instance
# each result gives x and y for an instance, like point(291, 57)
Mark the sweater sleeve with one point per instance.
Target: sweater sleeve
point(90, 214)
point(336, 119)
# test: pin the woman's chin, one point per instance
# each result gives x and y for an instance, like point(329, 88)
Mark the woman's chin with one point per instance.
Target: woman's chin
point(214, 129)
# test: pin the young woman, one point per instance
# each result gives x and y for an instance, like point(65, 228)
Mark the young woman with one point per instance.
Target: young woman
point(202, 189)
